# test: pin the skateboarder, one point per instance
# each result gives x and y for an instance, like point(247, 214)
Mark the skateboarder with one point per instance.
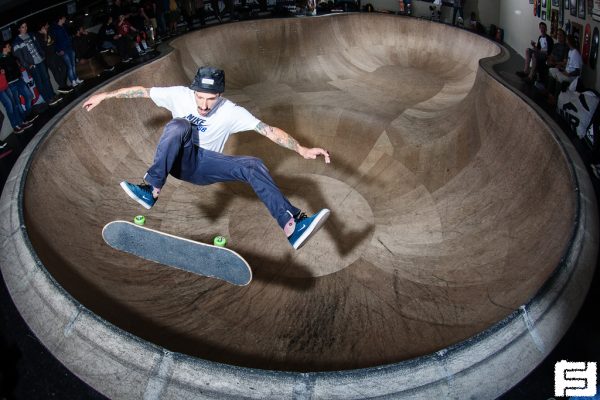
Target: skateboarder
point(191, 145)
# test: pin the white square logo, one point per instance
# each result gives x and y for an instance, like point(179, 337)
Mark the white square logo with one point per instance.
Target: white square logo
point(575, 379)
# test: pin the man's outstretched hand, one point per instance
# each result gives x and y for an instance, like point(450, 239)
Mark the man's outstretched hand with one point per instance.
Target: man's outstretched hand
point(313, 153)
point(93, 101)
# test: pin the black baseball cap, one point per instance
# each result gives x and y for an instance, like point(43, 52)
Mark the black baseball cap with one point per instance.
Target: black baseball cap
point(209, 79)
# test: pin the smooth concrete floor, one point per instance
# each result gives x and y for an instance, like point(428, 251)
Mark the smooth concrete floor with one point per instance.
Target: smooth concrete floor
point(27, 356)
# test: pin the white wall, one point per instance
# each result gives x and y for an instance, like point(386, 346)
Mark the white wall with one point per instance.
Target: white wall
point(487, 11)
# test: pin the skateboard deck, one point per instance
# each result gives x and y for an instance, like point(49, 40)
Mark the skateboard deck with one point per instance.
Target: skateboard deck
point(188, 255)
point(594, 48)
point(587, 38)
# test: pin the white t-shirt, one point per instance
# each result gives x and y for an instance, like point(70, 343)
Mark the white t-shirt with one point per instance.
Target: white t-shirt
point(543, 44)
point(213, 130)
point(574, 61)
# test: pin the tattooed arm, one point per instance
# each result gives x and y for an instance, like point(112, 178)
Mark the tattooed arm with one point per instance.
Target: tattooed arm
point(283, 139)
point(123, 93)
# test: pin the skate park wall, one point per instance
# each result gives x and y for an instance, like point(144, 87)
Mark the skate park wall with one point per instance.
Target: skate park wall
point(474, 252)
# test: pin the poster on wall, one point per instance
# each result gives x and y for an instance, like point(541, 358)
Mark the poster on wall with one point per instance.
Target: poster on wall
point(596, 10)
point(581, 9)
point(554, 23)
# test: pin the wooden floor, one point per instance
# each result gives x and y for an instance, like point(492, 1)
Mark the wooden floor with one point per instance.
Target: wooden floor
point(451, 202)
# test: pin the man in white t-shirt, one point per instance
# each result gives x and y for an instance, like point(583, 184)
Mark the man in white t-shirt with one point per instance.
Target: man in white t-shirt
point(191, 146)
point(566, 73)
point(574, 64)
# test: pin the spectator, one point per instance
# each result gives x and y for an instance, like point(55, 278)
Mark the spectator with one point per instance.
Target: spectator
point(55, 63)
point(108, 35)
point(556, 59)
point(28, 51)
point(12, 105)
point(457, 8)
point(140, 21)
point(173, 16)
point(537, 53)
point(64, 48)
point(571, 70)
point(475, 25)
point(86, 50)
point(150, 11)
point(17, 85)
point(129, 37)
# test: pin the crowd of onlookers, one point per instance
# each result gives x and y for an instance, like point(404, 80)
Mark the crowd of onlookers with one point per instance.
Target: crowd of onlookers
point(42, 61)
point(43, 46)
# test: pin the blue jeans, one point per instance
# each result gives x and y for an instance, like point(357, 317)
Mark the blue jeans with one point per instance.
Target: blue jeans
point(40, 76)
point(69, 57)
point(13, 107)
point(178, 156)
point(20, 88)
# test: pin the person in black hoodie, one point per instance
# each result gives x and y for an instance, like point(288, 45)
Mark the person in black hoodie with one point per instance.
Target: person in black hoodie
point(54, 62)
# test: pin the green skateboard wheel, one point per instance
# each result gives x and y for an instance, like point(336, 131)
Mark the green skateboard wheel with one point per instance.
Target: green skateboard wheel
point(139, 220)
point(220, 241)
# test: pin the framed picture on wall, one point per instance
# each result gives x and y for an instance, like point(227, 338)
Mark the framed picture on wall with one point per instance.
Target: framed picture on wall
point(566, 4)
point(544, 3)
point(573, 7)
point(596, 10)
point(543, 15)
point(581, 9)
point(555, 3)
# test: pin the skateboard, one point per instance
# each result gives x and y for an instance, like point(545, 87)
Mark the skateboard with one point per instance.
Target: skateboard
point(587, 38)
point(195, 257)
point(594, 48)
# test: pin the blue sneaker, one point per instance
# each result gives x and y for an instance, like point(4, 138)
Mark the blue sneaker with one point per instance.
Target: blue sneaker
point(140, 193)
point(306, 227)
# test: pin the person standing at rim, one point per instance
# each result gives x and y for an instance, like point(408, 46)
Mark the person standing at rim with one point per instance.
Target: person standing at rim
point(191, 146)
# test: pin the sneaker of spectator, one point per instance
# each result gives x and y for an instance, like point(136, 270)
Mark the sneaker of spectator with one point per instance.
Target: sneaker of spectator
point(4, 149)
point(29, 119)
point(65, 90)
point(55, 100)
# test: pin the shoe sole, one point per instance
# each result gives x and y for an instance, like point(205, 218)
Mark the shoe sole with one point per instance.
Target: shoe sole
point(313, 228)
point(133, 196)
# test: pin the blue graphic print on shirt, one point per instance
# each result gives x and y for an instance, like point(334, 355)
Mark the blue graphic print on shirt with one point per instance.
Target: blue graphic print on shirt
point(197, 121)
